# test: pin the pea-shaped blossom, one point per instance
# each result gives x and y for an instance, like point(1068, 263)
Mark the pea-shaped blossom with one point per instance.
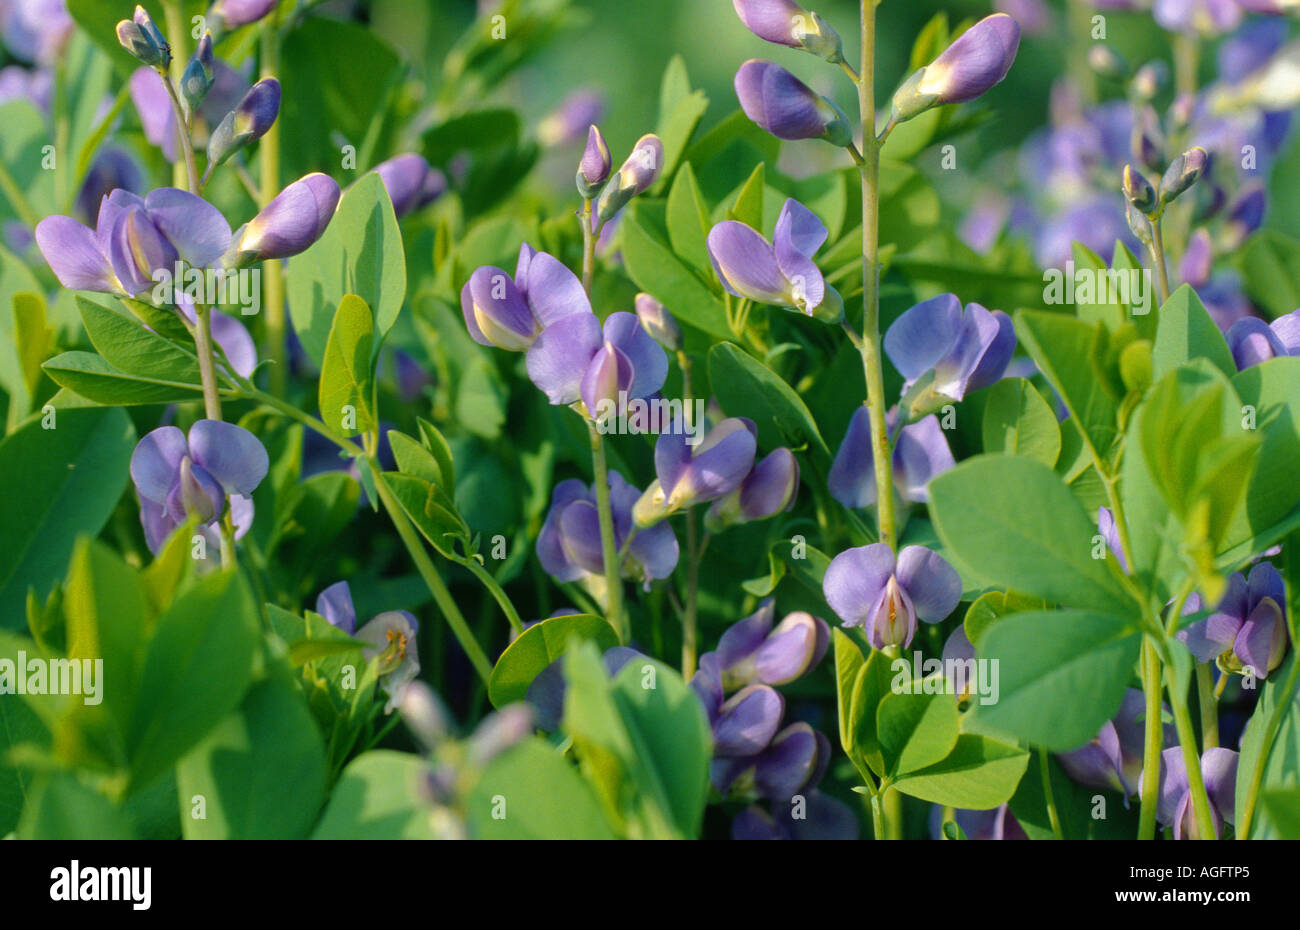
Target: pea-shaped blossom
point(752, 652)
point(251, 118)
point(1248, 628)
point(996, 824)
point(572, 118)
point(979, 58)
point(578, 358)
point(292, 222)
point(869, 588)
point(658, 322)
point(955, 352)
point(1206, 17)
point(1174, 807)
point(509, 313)
point(411, 182)
point(569, 544)
point(1113, 758)
point(1253, 341)
point(593, 169)
point(639, 170)
point(391, 636)
point(177, 477)
point(776, 21)
point(780, 272)
point(768, 489)
point(785, 106)
point(696, 474)
point(823, 818)
point(133, 240)
point(920, 454)
point(236, 13)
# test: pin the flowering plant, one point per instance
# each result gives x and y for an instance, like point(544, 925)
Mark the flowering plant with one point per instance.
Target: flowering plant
point(765, 483)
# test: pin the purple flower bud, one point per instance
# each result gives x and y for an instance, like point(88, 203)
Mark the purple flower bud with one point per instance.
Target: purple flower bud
point(142, 38)
point(173, 476)
point(576, 113)
point(198, 77)
point(696, 474)
point(1182, 173)
point(1141, 195)
point(1110, 533)
point(292, 222)
point(112, 169)
point(824, 818)
point(510, 313)
point(424, 714)
point(784, 105)
point(781, 273)
point(391, 635)
point(411, 182)
point(1196, 263)
point(868, 587)
point(1253, 341)
point(920, 454)
point(636, 174)
point(335, 605)
point(978, 60)
point(235, 13)
point(747, 721)
point(247, 122)
point(956, 351)
point(658, 322)
point(593, 170)
point(1248, 628)
point(608, 376)
point(752, 652)
point(768, 489)
point(1205, 17)
point(1246, 214)
point(1106, 61)
point(773, 20)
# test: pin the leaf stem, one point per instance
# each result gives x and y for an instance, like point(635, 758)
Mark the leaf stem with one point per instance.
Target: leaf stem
point(1153, 742)
point(268, 154)
point(1191, 759)
point(207, 374)
point(1048, 797)
point(498, 593)
point(1209, 705)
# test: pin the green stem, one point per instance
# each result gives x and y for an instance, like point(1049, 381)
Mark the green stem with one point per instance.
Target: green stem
point(183, 136)
point(609, 551)
point(872, 365)
point(437, 587)
point(268, 154)
point(588, 247)
point(175, 22)
point(1158, 258)
point(1186, 58)
point(502, 599)
point(17, 199)
point(1209, 706)
point(893, 813)
point(1191, 758)
point(207, 373)
point(690, 634)
point(1261, 760)
point(1153, 743)
point(1048, 796)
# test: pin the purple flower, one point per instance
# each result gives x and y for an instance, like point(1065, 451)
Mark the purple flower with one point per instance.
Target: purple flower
point(17, 83)
point(177, 478)
point(956, 352)
point(35, 31)
point(996, 824)
point(1246, 213)
point(768, 489)
point(794, 759)
point(637, 173)
point(823, 818)
point(391, 636)
point(111, 170)
point(575, 114)
point(979, 59)
point(752, 652)
point(1113, 758)
point(781, 273)
point(509, 313)
point(1174, 809)
point(777, 21)
point(593, 169)
point(1248, 628)
point(235, 13)
point(133, 238)
point(246, 123)
point(569, 544)
point(868, 587)
point(1253, 341)
point(920, 454)
point(575, 358)
point(1206, 17)
point(546, 694)
point(292, 222)
point(141, 37)
point(785, 106)
point(658, 322)
point(695, 474)
point(411, 182)
point(1197, 260)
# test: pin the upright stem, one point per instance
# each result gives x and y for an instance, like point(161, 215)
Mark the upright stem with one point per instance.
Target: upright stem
point(1049, 796)
point(1191, 758)
point(1271, 727)
point(268, 154)
point(175, 22)
point(432, 579)
point(498, 594)
point(588, 247)
point(869, 171)
point(1209, 706)
point(1153, 744)
point(207, 373)
point(1158, 258)
point(609, 551)
point(694, 554)
point(191, 170)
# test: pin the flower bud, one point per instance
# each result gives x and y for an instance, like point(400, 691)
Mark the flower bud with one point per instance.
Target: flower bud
point(235, 13)
point(593, 170)
point(1148, 80)
point(636, 174)
point(1246, 214)
point(784, 105)
point(1139, 191)
point(978, 60)
point(198, 77)
point(658, 322)
point(425, 714)
point(1138, 224)
point(142, 38)
point(411, 182)
point(1182, 173)
point(292, 222)
point(247, 122)
point(608, 374)
point(767, 490)
point(819, 37)
point(1107, 62)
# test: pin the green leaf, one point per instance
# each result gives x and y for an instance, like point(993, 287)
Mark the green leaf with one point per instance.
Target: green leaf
point(747, 206)
point(1279, 769)
point(915, 729)
point(345, 379)
point(15, 279)
point(427, 506)
point(746, 387)
point(62, 808)
point(539, 646)
point(531, 793)
point(1046, 661)
point(658, 272)
point(32, 337)
point(688, 221)
point(1187, 331)
point(261, 772)
point(979, 774)
point(850, 657)
point(1268, 392)
point(360, 253)
point(680, 110)
point(378, 798)
point(134, 350)
point(991, 607)
point(19, 725)
point(873, 685)
point(1017, 420)
point(437, 444)
point(1063, 347)
point(89, 376)
point(62, 482)
point(196, 669)
point(1283, 809)
point(1012, 522)
point(1270, 266)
